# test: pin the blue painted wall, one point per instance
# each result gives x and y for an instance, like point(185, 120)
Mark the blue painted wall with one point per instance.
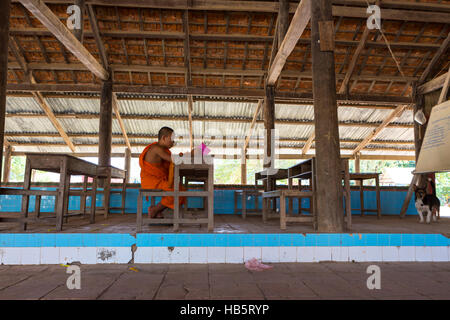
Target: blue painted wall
point(391, 202)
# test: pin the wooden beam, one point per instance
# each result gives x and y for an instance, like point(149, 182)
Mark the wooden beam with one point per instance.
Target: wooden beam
point(60, 31)
point(191, 135)
point(115, 107)
point(434, 61)
point(432, 85)
point(328, 167)
point(394, 114)
point(7, 164)
point(269, 125)
point(96, 33)
point(252, 125)
point(78, 33)
point(444, 91)
point(392, 9)
point(31, 31)
point(5, 7)
point(128, 163)
point(353, 62)
point(308, 143)
point(39, 97)
point(105, 125)
point(298, 24)
point(187, 50)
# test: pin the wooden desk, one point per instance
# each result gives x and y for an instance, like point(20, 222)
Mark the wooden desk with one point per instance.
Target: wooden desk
point(65, 165)
point(368, 176)
point(269, 180)
point(197, 172)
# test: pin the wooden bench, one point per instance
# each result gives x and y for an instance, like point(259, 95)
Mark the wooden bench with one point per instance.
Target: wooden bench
point(108, 173)
point(244, 194)
point(284, 218)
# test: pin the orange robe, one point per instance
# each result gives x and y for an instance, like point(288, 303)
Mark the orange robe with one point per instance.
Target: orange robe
point(156, 176)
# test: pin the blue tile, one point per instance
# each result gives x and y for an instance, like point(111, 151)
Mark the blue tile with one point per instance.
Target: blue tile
point(334, 239)
point(169, 240)
point(248, 240)
point(285, 239)
point(310, 240)
point(383, 239)
point(221, 240)
point(321, 240)
point(89, 240)
point(371, 239)
point(407, 240)
point(298, 240)
point(62, 239)
point(259, 240)
point(347, 240)
point(395, 239)
point(235, 240)
point(196, 240)
point(272, 240)
point(419, 239)
point(183, 240)
point(75, 240)
point(439, 240)
point(26, 240)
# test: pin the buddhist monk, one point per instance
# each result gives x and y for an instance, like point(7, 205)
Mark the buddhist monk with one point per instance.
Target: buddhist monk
point(155, 162)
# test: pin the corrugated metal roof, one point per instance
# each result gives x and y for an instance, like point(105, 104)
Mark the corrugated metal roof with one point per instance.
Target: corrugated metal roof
point(201, 129)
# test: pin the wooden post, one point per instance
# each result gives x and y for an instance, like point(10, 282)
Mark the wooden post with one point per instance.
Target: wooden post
point(283, 21)
point(330, 217)
point(78, 33)
point(358, 165)
point(5, 6)
point(244, 171)
point(269, 124)
point(105, 127)
point(128, 164)
point(7, 164)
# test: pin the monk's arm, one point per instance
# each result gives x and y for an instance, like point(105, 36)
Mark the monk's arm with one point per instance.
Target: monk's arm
point(163, 154)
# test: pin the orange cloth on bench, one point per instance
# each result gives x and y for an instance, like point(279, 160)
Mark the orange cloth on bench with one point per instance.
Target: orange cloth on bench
point(156, 176)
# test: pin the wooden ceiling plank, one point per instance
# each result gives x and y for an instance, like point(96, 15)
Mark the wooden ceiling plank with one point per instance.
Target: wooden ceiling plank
point(63, 34)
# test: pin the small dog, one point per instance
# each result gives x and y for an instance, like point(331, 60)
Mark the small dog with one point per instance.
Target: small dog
point(427, 203)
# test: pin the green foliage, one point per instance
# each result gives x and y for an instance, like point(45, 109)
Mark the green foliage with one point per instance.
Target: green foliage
point(17, 169)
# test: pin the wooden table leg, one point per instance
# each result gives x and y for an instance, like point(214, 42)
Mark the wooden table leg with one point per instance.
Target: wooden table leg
point(361, 197)
point(107, 194)
point(283, 212)
point(348, 207)
point(83, 197)
point(244, 205)
point(26, 198)
point(94, 198)
point(37, 206)
point(210, 198)
point(139, 212)
point(290, 199)
point(124, 195)
point(63, 195)
point(377, 182)
point(176, 208)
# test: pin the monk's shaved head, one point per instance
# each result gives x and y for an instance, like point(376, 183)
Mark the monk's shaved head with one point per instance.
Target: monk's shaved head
point(164, 131)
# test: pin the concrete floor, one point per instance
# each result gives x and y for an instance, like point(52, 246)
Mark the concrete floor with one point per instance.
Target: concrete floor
point(227, 223)
point(218, 281)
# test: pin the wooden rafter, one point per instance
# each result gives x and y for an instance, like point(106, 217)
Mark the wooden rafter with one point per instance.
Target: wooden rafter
point(187, 50)
point(38, 96)
point(252, 125)
point(432, 85)
point(60, 31)
point(298, 24)
point(436, 58)
point(115, 106)
point(96, 32)
point(394, 114)
point(392, 9)
point(444, 90)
